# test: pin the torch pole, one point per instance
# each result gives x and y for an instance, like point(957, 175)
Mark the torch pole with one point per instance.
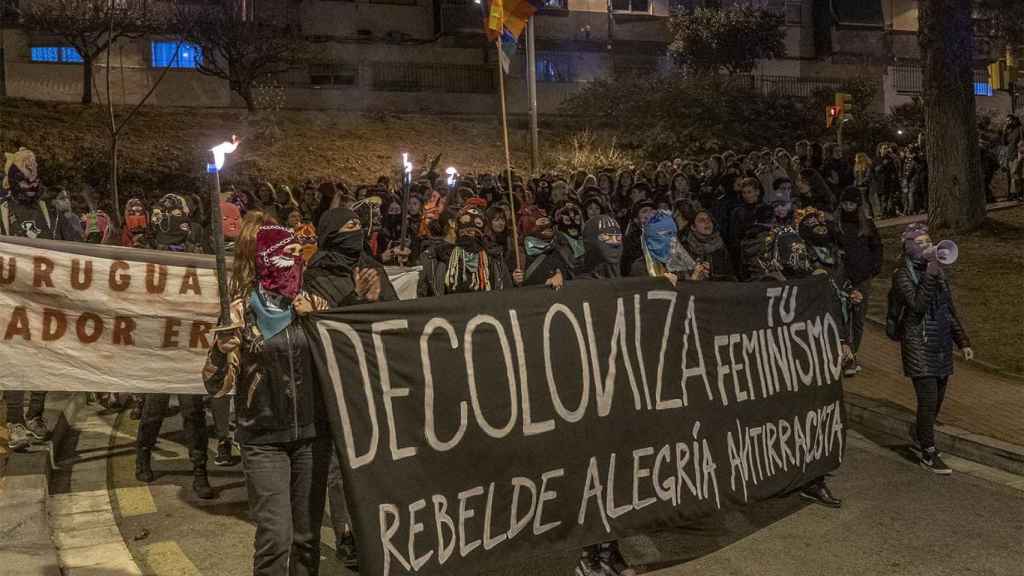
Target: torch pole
point(406, 176)
point(217, 231)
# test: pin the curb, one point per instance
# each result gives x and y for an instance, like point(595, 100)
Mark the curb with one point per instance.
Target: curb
point(979, 364)
point(895, 420)
point(25, 495)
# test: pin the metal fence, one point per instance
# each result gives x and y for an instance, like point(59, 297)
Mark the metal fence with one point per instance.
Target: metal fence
point(908, 79)
point(417, 77)
point(797, 86)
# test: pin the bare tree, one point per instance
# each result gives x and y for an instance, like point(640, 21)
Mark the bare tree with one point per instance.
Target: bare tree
point(243, 41)
point(956, 197)
point(89, 26)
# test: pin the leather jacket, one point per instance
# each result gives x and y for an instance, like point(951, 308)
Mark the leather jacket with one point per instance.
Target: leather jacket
point(277, 395)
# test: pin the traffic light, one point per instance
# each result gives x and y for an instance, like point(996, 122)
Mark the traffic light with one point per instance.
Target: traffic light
point(831, 115)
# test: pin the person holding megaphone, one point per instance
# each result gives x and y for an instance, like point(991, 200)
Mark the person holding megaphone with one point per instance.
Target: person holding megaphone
point(927, 326)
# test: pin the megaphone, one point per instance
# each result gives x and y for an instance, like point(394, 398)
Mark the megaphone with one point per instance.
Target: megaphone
point(945, 252)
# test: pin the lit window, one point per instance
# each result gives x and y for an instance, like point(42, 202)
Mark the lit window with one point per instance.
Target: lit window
point(55, 54)
point(643, 6)
point(982, 89)
point(555, 68)
point(187, 56)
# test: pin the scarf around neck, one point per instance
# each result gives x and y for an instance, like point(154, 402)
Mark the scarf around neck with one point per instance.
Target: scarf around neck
point(271, 317)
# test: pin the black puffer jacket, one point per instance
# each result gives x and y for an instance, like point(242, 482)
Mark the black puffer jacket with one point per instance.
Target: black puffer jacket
point(930, 324)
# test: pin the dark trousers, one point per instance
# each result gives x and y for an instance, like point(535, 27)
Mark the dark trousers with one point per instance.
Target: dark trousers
point(16, 406)
point(192, 414)
point(857, 313)
point(930, 393)
point(339, 507)
point(221, 409)
point(287, 489)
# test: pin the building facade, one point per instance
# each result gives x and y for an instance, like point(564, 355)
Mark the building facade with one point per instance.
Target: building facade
point(430, 56)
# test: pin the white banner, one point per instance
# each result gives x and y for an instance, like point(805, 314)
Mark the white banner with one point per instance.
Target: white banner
point(82, 317)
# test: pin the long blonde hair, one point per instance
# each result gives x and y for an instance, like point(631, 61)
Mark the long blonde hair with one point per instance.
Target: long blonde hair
point(861, 164)
point(243, 269)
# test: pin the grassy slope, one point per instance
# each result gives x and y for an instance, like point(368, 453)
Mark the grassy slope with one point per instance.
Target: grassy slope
point(164, 148)
point(988, 285)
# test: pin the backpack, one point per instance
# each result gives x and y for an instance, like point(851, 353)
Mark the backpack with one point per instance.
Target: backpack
point(895, 311)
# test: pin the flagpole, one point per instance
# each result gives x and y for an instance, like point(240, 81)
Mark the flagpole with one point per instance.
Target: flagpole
point(508, 156)
point(531, 88)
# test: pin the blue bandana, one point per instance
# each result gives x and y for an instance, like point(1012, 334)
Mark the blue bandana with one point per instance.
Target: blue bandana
point(659, 233)
point(536, 246)
point(270, 319)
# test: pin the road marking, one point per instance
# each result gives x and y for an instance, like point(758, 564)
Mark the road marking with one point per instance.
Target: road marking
point(168, 558)
point(134, 500)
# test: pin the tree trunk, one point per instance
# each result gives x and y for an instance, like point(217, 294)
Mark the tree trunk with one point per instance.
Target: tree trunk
point(946, 35)
point(86, 79)
point(114, 190)
point(245, 91)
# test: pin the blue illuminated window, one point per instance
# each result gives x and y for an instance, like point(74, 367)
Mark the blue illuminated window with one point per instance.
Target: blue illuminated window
point(55, 54)
point(188, 55)
point(982, 89)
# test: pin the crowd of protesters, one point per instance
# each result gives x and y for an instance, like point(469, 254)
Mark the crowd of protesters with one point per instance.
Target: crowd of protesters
point(764, 215)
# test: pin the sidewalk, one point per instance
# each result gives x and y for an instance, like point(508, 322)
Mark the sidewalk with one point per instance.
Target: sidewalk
point(977, 401)
point(904, 220)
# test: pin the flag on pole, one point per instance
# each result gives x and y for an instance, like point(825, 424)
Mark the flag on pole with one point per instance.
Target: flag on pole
point(510, 15)
point(508, 49)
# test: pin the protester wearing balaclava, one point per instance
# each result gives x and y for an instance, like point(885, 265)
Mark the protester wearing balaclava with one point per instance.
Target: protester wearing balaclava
point(548, 253)
point(136, 224)
point(281, 422)
point(172, 228)
point(862, 258)
point(825, 259)
point(569, 222)
point(341, 272)
point(602, 240)
point(24, 213)
point(173, 232)
point(465, 265)
point(632, 245)
point(705, 246)
point(928, 327)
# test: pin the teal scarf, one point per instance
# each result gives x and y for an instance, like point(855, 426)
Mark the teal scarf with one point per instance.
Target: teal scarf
point(270, 319)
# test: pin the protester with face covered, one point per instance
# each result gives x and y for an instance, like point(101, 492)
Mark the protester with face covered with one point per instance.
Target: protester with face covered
point(343, 274)
point(549, 257)
point(24, 214)
point(928, 328)
point(173, 229)
point(136, 224)
point(662, 255)
point(281, 421)
point(602, 240)
point(173, 232)
point(862, 257)
point(464, 266)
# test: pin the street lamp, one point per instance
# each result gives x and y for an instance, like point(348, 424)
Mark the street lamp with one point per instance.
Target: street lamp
point(216, 225)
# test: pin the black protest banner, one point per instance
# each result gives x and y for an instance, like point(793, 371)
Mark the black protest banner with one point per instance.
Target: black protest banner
point(480, 429)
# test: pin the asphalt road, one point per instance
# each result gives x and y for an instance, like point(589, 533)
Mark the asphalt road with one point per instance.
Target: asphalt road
point(897, 519)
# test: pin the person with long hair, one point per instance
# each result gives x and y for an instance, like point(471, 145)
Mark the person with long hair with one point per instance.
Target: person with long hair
point(265, 357)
